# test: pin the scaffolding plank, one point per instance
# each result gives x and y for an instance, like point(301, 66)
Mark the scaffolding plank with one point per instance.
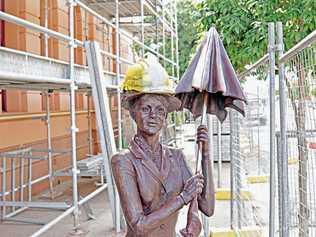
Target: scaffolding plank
point(46, 205)
point(24, 70)
point(103, 115)
point(89, 162)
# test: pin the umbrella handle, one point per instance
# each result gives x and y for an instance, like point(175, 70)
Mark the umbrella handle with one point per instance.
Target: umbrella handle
point(203, 121)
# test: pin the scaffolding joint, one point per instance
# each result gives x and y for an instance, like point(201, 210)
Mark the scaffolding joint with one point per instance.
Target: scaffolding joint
point(272, 48)
point(72, 44)
point(279, 47)
point(73, 86)
point(72, 3)
point(74, 129)
point(75, 171)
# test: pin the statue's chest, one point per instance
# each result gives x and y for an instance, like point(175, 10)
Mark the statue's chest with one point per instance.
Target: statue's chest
point(157, 188)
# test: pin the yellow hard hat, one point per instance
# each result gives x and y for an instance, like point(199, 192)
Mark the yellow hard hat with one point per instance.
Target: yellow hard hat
point(148, 76)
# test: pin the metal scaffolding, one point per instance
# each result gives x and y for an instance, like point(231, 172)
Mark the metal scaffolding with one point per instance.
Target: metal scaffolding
point(144, 23)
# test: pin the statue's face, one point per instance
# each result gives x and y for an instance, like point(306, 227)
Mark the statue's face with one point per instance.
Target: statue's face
point(150, 114)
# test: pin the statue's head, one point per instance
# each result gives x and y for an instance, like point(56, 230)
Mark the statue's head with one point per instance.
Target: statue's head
point(148, 94)
point(149, 111)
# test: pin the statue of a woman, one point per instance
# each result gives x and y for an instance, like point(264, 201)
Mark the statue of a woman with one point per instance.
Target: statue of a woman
point(153, 180)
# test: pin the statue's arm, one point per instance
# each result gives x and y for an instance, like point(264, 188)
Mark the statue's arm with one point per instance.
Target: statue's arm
point(126, 183)
point(207, 198)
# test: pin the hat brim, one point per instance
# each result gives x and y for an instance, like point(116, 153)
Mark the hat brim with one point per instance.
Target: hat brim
point(173, 102)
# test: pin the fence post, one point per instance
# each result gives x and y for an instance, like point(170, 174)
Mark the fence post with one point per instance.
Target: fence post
point(283, 141)
point(238, 165)
point(219, 154)
point(279, 171)
point(271, 46)
point(258, 133)
point(231, 124)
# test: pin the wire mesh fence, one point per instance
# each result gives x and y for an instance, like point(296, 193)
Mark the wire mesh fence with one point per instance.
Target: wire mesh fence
point(300, 81)
point(256, 123)
point(250, 191)
point(292, 129)
point(249, 155)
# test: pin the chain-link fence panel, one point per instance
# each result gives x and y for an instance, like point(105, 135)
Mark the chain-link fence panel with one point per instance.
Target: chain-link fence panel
point(300, 81)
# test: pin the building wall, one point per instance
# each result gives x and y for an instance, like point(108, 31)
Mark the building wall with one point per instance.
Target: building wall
point(19, 124)
point(32, 132)
point(87, 27)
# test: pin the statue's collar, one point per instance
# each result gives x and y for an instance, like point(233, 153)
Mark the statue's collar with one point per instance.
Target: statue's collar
point(141, 149)
point(142, 143)
point(162, 174)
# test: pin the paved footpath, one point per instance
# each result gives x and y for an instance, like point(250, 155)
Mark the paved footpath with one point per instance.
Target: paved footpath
point(101, 226)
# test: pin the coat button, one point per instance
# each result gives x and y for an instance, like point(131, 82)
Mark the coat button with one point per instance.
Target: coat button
point(162, 226)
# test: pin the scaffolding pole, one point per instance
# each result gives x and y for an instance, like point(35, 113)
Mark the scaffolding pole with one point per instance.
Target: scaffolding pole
point(142, 28)
point(177, 40)
point(49, 146)
point(119, 111)
point(74, 128)
point(4, 172)
point(163, 35)
point(172, 55)
point(89, 117)
point(46, 26)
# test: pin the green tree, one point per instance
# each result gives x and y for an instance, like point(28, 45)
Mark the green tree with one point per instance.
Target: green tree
point(242, 24)
point(188, 32)
point(243, 27)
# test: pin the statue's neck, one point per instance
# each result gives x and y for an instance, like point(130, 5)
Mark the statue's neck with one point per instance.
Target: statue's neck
point(151, 141)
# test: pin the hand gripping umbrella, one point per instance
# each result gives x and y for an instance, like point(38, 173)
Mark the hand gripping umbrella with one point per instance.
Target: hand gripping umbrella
point(209, 85)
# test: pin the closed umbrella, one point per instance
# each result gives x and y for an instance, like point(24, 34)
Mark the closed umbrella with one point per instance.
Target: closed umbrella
point(209, 85)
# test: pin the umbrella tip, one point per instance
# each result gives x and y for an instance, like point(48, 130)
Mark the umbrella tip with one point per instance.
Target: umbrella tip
point(212, 30)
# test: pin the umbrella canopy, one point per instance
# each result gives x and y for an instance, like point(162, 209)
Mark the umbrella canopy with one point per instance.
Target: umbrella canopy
point(211, 71)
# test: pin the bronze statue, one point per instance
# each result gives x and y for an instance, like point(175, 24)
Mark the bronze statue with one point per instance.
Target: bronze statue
point(153, 180)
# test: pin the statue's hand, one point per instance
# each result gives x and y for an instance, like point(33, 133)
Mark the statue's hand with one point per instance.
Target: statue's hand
point(192, 187)
point(202, 136)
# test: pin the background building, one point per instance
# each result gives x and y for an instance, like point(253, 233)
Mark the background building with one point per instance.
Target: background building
point(37, 45)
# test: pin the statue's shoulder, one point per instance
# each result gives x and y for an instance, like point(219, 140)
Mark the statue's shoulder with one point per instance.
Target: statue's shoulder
point(124, 156)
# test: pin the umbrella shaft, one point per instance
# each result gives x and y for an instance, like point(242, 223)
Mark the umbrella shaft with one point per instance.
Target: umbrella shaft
point(203, 121)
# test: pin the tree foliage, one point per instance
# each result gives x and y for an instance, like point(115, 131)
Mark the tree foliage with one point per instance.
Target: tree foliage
point(242, 25)
point(188, 32)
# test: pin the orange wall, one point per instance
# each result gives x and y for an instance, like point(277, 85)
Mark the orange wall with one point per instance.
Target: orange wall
point(18, 37)
point(87, 27)
point(32, 133)
point(15, 134)
point(17, 101)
